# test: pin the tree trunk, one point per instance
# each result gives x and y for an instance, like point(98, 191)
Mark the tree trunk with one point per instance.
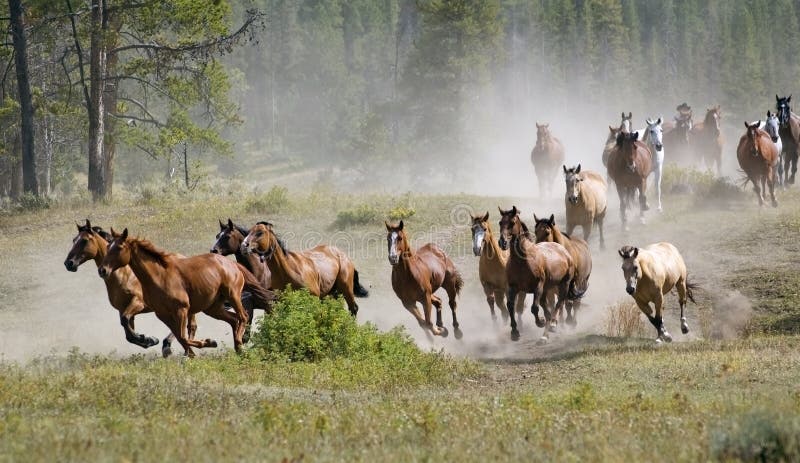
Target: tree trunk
point(97, 73)
point(29, 180)
point(110, 100)
point(16, 170)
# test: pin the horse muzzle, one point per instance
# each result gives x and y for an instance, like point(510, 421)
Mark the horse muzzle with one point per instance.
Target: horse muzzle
point(394, 259)
point(631, 167)
point(70, 265)
point(214, 251)
point(775, 139)
point(659, 147)
point(503, 243)
point(630, 290)
point(104, 272)
point(245, 248)
point(573, 199)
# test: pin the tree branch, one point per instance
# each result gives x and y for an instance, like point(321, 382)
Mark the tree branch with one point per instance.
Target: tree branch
point(144, 110)
point(80, 54)
point(128, 118)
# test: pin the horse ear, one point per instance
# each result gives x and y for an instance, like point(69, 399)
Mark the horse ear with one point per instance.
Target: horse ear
point(789, 99)
point(578, 169)
point(777, 98)
point(768, 114)
point(648, 121)
point(124, 235)
point(535, 219)
point(230, 223)
point(635, 252)
point(623, 114)
point(114, 233)
point(630, 115)
point(388, 227)
point(621, 254)
point(400, 225)
point(500, 209)
point(88, 224)
point(514, 210)
point(746, 125)
point(552, 220)
point(611, 129)
point(221, 225)
point(78, 225)
point(635, 136)
point(659, 121)
point(565, 168)
point(486, 217)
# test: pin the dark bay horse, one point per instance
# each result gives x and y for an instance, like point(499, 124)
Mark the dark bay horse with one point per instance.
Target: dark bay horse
point(547, 155)
point(416, 275)
point(676, 138)
point(177, 287)
point(629, 164)
point(546, 230)
point(706, 139)
point(758, 156)
point(124, 289)
point(790, 136)
point(544, 269)
point(323, 270)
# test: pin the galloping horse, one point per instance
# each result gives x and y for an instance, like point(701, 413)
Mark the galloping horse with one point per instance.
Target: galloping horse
point(547, 231)
point(611, 142)
point(653, 137)
point(177, 288)
point(417, 275)
point(650, 273)
point(322, 270)
point(706, 139)
point(758, 157)
point(790, 136)
point(585, 201)
point(544, 269)
point(546, 156)
point(676, 137)
point(628, 166)
point(124, 290)
point(771, 125)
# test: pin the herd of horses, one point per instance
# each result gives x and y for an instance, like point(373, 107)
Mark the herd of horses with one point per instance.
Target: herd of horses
point(552, 265)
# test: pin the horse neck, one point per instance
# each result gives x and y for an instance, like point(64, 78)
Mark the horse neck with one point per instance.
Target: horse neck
point(558, 237)
point(284, 266)
point(148, 270)
point(544, 140)
point(102, 250)
point(251, 262)
point(492, 251)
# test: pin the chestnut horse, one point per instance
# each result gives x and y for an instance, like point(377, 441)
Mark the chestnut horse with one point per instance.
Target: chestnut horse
point(585, 201)
point(611, 142)
point(628, 166)
point(544, 269)
point(124, 290)
point(546, 156)
point(323, 270)
point(650, 273)
point(177, 287)
point(417, 275)
point(706, 139)
point(547, 231)
point(758, 158)
point(790, 136)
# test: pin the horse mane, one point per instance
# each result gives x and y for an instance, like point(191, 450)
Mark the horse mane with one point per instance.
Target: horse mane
point(277, 238)
point(103, 234)
point(241, 229)
point(151, 250)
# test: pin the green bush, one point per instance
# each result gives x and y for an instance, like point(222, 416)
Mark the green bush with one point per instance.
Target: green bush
point(361, 215)
point(274, 200)
point(401, 212)
point(757, 436)
point(304, 328)
point(32, 202)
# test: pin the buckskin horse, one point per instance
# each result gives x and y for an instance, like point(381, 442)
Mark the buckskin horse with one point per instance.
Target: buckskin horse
point(585, 201)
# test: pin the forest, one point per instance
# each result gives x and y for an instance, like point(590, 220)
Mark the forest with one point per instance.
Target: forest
point(97, 93)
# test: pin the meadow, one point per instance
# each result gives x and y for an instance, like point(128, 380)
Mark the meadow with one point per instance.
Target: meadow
point(71, 389)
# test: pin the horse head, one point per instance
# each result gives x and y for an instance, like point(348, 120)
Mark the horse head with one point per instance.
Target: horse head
point(630, 267)
point(713, 116)
point(752, 136)
point(480, 226)
point(771, 126)
point(397, 242)
point(118, 255)
point(261, 240)
point(544, 228)
point(85, 246)
point(542, 133)
point(784, 111)
point(627, 144)
point(228, 240)
point(573, 179)
point(655, 133)
point(510, 226)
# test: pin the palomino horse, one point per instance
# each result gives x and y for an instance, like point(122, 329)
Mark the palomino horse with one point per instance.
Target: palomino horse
point(650, 273)
point(706, 139)
point(653, 137)
point(177, 288)
point(544, 269)
point(546, 156)
point(758, 157)
point(790, 136)
point(676, 138)
point(585, 201)
point(124, 290)
point(322, 270)
point(229, 240)
point(628, 166)
point(547, 231)
point(417, 275)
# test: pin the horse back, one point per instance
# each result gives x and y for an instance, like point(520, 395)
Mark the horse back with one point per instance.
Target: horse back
point(665, 265)
point(436, 262)
point(555, 260)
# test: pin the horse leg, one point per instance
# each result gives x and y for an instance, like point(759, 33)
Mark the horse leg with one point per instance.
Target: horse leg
point(412, 308)
point(681, 285)
point(787, 161)
point(658, 173)
point(658, 303)
point(427, 306)
point(771, 184)
point(126, 320)
point(451, 300)
point(499, 297)
point(437, 304)
point(166, 344)
point(794, 164)
point(599, 221)
point(511, 300)
point(491, 299)
point(537, 300)
point(648, 311)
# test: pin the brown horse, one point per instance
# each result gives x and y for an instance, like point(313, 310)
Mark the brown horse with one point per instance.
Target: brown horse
point(585, 201)
point(628, 166)
point(706, 139)
point(758, 157)
point(547, 231)
point(790, 137)
point(417, 275)
point(546, 156)
point(544, 269)
point(611, 142)
point(676, 138)
point(650, 273)
point(323, 270)
point(176, 287)
point(124, 290)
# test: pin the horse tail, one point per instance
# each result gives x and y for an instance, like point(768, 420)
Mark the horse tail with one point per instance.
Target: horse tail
point(459, 281)
point(689, 287)
point(262, 298)
point(358, 290)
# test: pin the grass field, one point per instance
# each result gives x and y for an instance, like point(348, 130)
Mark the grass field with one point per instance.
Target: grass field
point(585, 397)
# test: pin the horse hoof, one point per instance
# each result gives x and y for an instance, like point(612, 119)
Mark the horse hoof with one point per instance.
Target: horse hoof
point(443, 332)
point(166, 351)
point(149, 341)
point(659, 341)
point(774, 203)
point(667, 337)
point(457, 333)
point(540, 323)
point(514, 335)
point(542, 341)
point(210, 343)
point(551, 328)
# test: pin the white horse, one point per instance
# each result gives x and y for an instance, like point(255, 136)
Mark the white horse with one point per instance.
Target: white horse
point(653, 136)
point(771, 126)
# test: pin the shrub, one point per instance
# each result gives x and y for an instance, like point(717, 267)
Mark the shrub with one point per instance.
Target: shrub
point(361, 215)
point(401, 212)
point(624, 320)
point(704, 185)
point(274, 200)
point(757, 436)
point(32, 202)
point(304, 328)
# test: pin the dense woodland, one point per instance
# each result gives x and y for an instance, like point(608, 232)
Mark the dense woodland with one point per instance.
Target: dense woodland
point(158, 87)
